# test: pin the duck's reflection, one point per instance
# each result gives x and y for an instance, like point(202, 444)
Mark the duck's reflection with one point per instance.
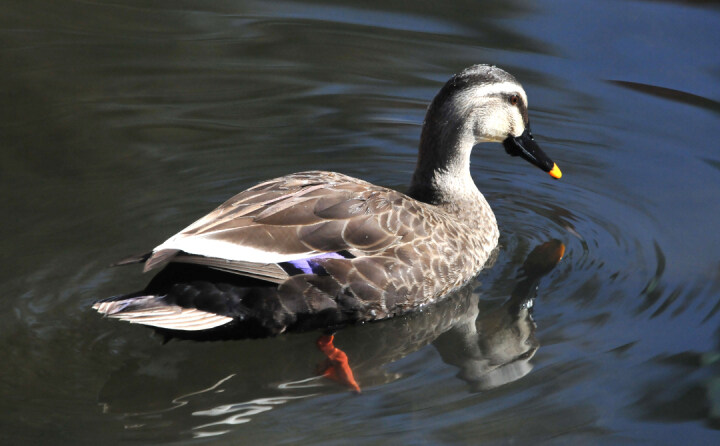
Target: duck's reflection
point(184, 384)
point(495, 344)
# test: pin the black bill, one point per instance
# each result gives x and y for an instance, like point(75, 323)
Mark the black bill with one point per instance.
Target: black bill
point(526, 147)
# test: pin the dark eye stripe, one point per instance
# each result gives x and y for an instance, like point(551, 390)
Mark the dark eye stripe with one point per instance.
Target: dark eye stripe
point(523, 111)
point(508, 97)
point(522, 107)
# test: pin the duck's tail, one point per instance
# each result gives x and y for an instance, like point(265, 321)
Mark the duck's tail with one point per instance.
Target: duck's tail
point(195, 302)
point(156, 311)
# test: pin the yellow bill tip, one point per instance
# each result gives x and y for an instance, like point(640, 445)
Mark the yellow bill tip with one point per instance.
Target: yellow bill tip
point(555, 172)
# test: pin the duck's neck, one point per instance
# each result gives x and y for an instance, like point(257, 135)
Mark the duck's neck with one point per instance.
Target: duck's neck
point(442, 175)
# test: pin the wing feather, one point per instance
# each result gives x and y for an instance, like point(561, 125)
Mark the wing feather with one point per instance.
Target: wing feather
point(289, 218)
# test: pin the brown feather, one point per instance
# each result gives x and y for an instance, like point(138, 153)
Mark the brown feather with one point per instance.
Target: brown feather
point(409, 253)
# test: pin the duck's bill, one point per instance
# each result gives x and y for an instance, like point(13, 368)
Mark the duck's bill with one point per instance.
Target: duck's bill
point(526, 147)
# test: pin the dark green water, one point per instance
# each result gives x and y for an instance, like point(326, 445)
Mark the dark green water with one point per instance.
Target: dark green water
point(123, 122)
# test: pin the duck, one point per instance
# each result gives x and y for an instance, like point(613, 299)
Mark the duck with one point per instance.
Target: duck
point(320, 250)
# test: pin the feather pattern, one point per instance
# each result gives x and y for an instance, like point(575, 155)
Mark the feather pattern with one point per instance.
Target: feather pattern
point(155, 312)
point(318, 248)
point(306, 214)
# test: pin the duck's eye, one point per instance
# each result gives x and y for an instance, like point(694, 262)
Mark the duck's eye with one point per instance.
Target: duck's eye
point(514, 99)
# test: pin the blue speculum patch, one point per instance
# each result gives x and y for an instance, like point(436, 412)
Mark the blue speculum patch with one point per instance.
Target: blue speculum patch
point(312, 265)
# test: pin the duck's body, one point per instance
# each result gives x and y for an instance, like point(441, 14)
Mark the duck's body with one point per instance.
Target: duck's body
point(317, 249)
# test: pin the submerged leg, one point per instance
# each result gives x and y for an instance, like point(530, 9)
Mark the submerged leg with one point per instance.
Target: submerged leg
point(338, 369)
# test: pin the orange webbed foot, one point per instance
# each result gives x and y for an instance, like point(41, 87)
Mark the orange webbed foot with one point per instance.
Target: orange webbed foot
point(337, 367)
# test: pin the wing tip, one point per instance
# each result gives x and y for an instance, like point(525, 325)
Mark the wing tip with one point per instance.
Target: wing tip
point(159, 258)
point(137, 258)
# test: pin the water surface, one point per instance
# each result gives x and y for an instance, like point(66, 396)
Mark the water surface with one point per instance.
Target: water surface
point(122, 122)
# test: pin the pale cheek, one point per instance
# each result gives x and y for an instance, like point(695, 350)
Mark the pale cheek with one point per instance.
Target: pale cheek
point(518, 127)
point(496, 127)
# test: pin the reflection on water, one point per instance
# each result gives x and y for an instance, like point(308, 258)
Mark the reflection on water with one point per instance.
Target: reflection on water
point(490, 344)
point(121, 121)
point(495, 345)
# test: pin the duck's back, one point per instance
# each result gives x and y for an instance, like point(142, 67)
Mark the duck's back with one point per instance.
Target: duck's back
point(314, 249)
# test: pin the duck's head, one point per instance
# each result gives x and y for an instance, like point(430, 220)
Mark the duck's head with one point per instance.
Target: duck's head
point(483, 103)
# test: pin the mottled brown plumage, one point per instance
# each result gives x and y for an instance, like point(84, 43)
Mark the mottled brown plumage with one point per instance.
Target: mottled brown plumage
point(406, 253)
point(332, 249)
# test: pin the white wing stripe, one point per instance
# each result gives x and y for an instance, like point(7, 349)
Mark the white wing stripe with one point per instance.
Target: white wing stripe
point(230, 251)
